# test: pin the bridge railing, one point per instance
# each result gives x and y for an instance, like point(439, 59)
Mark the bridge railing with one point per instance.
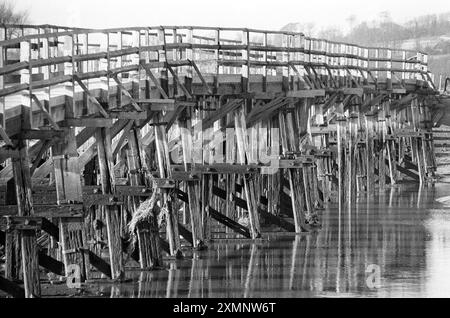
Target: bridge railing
point(43, 59)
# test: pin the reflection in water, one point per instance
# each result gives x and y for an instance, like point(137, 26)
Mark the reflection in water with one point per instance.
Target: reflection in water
point(404, 231)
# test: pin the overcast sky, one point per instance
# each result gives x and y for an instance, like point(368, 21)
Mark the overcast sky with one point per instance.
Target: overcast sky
point(262, 14)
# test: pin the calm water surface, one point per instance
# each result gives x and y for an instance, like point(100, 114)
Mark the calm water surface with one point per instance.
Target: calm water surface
point(403, 231)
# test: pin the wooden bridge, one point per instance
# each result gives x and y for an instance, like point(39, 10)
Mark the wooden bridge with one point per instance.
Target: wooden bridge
point(192, 133)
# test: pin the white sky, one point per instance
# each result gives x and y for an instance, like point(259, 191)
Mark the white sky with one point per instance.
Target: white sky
point(262, 14)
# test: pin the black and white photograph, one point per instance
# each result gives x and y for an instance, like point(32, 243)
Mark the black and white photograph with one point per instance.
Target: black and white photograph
point(224, 156)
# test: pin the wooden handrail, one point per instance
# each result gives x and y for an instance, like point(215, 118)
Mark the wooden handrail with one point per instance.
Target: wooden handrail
point(75, 31)
point(308, 52)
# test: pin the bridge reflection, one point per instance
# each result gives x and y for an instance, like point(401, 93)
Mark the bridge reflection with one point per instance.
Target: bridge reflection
point(403, 231)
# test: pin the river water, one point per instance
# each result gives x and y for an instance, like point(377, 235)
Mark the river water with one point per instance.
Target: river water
point(395, 244)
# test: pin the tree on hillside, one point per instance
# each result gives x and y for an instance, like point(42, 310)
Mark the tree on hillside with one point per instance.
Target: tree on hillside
point(385, 17)
point(351, 20)
point(332, 33)
point(9, 15)
point(428, 33)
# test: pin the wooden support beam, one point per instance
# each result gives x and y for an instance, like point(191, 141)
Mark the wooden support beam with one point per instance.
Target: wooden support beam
point(153, 104)
point(407, 172)
point(47, 210)
point(312, 77)
point(403, 102)
point(124, 114)
point(87, 155)
point(91, 152)
point(50, 228)
point(311, 93)
point(6, 153)
point(154, 79)
point(241, 203)
point(30, 265)
point(11, 288)
point(123, 137)
point(170, 117)
point(68, 190)
point(238, 228)
point(98, 262)
point(165, 246)
point(382, 154)
point(352, 158)
point(219, 217)
point(147, 230)
point(44, 148)
point(295, 177)
point(242, 146)
point(194, 207)
point(351, 77)
point(208, 89)
point(330, 101)
point(51, 264)
point(305, 80)
point(87, 122)
point(21, 223)
point(91, 97)
point(221, 112)
point(276, 220)
point(105, 160)
point(35, 134)
point(45, 112)
point(370, 164)
point(184, 232)
point(259, 114)
point(125, 92)
point(341, 133)
point(162, 155)
point(11, 241)
point(177, 80)
point(5, 136)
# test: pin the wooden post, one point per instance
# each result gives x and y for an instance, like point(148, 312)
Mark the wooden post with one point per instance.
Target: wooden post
point(68, 191)
point(320, 142)
point(147, 231)
point(381, 153)
point(111, 213)
point(68, 182)
point(194, 207)
point(370, 170)
point(230, 158)
point(352, 157)
point(249, 187)
point(3, 60)
point(390, 145)
point(295, 179)
point(30, 264)
point(12, 255)
point(341, 132)
point(417, 142)
point(162, 154)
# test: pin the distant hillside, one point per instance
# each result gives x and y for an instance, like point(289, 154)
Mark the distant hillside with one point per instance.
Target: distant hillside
point(428, 33)
point(438, 48)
